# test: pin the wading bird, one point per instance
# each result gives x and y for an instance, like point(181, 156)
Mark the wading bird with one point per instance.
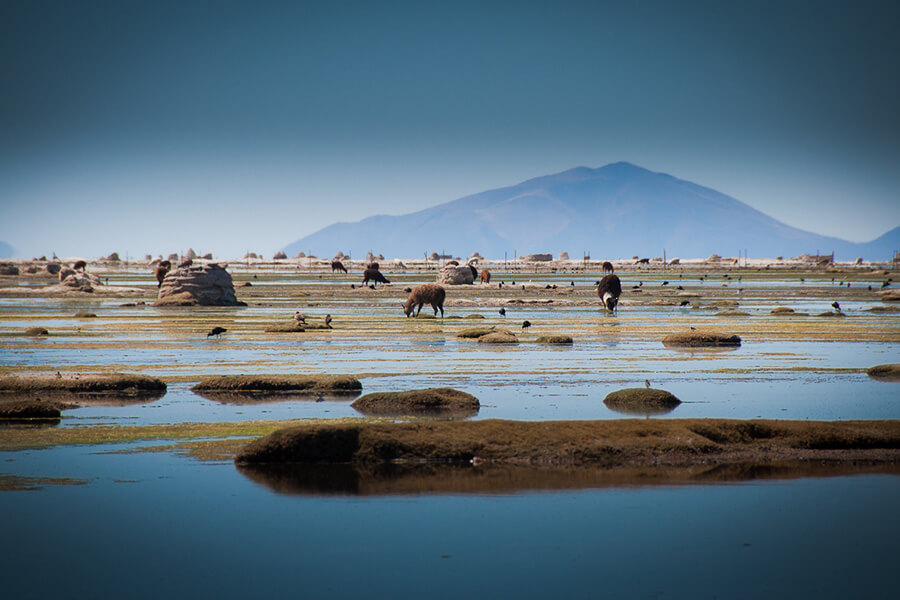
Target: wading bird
point(526, 324)
point(216, 331)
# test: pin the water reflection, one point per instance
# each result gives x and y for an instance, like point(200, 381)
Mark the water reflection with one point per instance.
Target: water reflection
point(390, 479)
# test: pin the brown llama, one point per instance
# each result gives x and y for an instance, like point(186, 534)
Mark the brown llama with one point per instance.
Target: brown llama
point(608, 266)
point(161, 271)
point(79, 266)
point(485, 276)
point(372, 273)
point(428, 293)
point(337, 265)
point(186, 264)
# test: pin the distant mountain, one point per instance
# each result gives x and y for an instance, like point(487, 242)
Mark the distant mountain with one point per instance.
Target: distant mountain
point(6, 251)
point(616, 211)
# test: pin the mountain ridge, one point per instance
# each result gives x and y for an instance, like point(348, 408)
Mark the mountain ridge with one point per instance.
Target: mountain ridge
point(615, 211)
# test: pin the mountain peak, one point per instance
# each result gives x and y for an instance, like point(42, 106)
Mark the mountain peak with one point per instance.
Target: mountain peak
point(614, 211)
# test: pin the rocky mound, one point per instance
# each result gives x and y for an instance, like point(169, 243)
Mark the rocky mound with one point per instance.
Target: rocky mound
point(605, 442)
point(28, 409)
point(699, 339)
point(889, 372)
point(641, 401)
point(198, 285)
point(268, 384)
point(427, 402)
point(555, 339)
point(456, 275)
point(68, 383)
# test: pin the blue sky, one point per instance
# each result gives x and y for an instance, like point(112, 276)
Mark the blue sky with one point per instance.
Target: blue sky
point(151, 127)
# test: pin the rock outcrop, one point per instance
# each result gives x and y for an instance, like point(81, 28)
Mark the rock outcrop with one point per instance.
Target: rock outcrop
point(456, 275)
point(537, 257)
point(206, 284)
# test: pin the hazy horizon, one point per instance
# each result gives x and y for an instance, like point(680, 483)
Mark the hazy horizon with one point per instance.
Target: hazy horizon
point(228, 126)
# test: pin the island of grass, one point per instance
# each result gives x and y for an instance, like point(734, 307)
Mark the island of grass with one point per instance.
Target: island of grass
point(633, 442)
point(279, 384)
point(80, 383)
point(432, 402)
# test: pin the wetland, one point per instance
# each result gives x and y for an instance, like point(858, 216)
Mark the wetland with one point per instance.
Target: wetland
point(140, 469)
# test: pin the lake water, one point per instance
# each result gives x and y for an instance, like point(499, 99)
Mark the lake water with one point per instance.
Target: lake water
point(156, 525)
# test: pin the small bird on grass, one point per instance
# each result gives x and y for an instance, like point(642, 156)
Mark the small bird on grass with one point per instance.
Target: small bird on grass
point(216, 331)
point(328, 321)
point(836, 306)
point(502, 312)
point(526, 324)
point(299, 317)
point(684, 303)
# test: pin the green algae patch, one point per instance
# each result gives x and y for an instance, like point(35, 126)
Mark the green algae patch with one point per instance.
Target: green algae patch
point(74, 383)
point(888, 372)
point(25, 438)
point(16, 483)
point(641, 401)
point(701, 339)
point(556, 339)
point(269, 384)
point(426, 402)
point(605, 442)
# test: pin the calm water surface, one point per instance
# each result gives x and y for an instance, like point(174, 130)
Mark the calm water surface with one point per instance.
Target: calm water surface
point(154, 525)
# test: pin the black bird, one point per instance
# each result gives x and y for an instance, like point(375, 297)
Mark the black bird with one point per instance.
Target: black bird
point(328, 321)
point(216, 331)
point(665, 283)
point(500, 286)
point(684, 303)
point(679, 288)
point(513, 283)
point(352, 287)
point(870, 288)
point(885, 284)
point(407, 289)
point(526, 324)
point(572, 283)
point(502, 312)
point(836, 306)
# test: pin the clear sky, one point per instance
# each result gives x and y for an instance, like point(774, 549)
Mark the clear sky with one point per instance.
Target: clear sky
point(151, 127)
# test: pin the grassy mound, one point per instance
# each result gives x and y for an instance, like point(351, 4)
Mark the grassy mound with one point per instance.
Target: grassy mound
point(700, 339)
point(555, 339)
point(475, 332)
point(36, 331)
point(92, 383)
point(732, 313)
point(889, 372)
point(431, 401)
point(268, 384)
point(641, 401)
point(615, 442)
point(85, 315)
point(499, 337)
point(291, 327)
point(781, 310)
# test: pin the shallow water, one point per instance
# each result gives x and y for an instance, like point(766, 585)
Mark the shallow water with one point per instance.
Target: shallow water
point(146, 525)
